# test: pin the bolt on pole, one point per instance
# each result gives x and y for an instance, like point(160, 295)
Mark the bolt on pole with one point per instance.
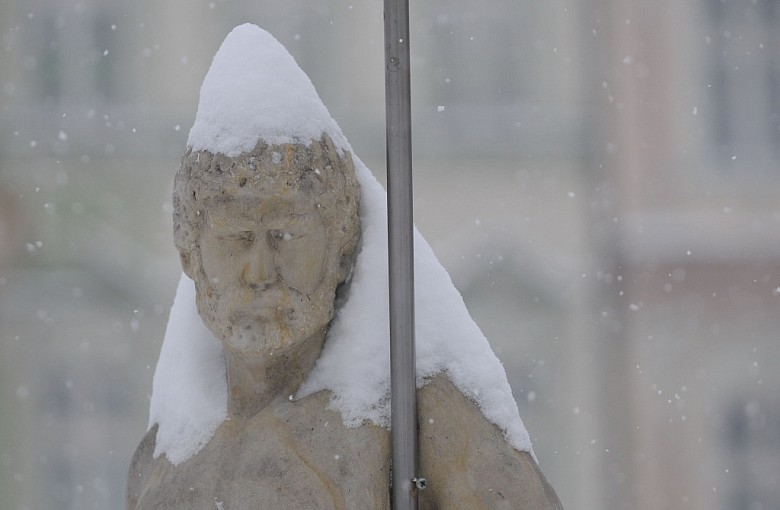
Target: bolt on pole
point(401, 254)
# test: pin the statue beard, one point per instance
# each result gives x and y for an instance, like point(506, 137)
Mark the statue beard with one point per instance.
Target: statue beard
point(263, 321)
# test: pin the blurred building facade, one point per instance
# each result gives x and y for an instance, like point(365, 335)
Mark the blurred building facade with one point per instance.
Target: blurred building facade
point(600, 179)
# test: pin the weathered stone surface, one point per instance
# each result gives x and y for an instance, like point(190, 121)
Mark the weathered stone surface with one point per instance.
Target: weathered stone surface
point(466, 460)
point(297, 454)
point(289, 455)
point(268, 237)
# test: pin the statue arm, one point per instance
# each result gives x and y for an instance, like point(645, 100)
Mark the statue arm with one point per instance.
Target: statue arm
point(468, 462)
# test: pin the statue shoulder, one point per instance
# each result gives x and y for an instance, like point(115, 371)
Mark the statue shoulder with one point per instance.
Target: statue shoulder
point(140, 466)
point(467, 461)
point(291, 454)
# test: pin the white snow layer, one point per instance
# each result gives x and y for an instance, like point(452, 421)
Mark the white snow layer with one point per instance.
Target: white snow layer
point(254, 89)
point(189, 389)
point(189, 398)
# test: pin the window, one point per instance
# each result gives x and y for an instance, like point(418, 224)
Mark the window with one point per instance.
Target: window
point(754, 436)
point(743, 83)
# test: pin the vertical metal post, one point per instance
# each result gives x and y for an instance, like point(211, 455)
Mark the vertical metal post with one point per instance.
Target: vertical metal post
point(401, 253)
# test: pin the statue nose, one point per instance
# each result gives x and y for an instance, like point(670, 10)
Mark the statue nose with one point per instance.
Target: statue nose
point(259, 269)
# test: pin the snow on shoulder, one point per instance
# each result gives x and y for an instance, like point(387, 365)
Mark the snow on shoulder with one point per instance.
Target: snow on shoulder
point(189, 389)
point(255, 90)
point(189, 398)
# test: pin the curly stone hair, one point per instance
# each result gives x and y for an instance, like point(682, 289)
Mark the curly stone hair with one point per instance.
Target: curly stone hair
point(320, 171)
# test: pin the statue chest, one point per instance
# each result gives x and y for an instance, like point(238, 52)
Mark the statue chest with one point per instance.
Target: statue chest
point(274, 461)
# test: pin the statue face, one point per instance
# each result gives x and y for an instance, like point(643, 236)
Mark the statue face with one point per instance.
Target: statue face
point(270, 271)
point(267, 236)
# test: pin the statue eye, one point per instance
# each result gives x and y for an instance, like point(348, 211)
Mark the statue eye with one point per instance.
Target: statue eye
point(274, 237)
point(243, 236)
point(277, 237)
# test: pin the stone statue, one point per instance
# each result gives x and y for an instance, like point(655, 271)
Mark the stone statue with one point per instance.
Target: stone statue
point(267, 220)
point(269, 237)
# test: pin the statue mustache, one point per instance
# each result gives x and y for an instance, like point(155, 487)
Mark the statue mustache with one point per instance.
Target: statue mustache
point(265, 304)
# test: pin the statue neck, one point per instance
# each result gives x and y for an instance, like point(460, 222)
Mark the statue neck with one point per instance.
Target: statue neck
point(254, 379)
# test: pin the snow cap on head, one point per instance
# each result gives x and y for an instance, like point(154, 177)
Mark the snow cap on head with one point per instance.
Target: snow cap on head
point(254, 90)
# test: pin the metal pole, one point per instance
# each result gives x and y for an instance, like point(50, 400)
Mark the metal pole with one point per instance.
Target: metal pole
point(401, 254)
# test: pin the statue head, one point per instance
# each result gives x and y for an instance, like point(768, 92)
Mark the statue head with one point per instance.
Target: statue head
point(267, 236)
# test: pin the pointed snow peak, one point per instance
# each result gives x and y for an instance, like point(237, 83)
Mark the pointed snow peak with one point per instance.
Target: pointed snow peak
point(254, 90)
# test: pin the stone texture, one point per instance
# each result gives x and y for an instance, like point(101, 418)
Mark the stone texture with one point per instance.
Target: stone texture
point(297, 454)
point(466, 460)
point(289, 455)
point(268, 237)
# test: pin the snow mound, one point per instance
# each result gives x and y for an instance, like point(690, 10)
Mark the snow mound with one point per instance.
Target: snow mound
point(189, 389)
point(255, 90)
